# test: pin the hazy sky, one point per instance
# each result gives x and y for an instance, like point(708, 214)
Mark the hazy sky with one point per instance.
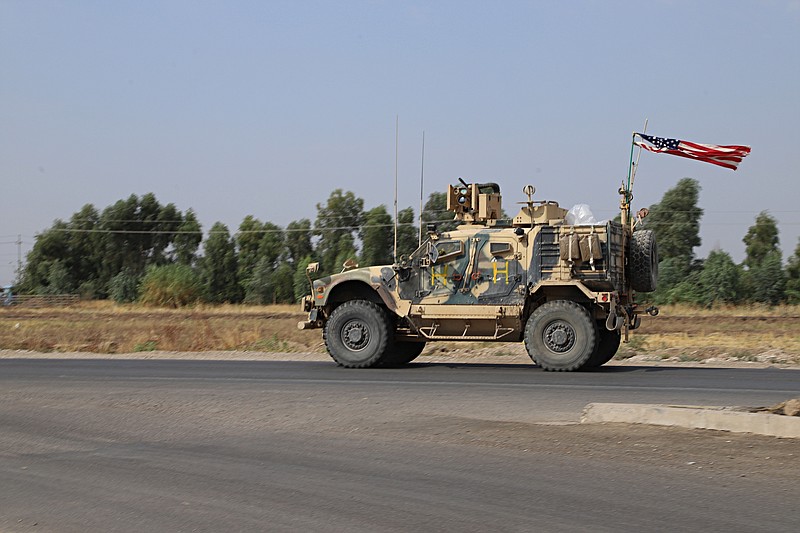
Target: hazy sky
point(264, 107)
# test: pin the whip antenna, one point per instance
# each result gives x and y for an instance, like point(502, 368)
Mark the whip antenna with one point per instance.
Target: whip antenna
point(396, 150)
point(421, 182)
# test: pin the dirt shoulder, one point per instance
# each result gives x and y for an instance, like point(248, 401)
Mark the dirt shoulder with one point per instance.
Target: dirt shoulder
point(737, 337)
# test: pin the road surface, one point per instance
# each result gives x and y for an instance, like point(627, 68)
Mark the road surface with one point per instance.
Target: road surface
point(107, 445)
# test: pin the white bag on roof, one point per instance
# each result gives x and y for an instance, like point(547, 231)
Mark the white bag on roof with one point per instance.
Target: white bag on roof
point(581, 215)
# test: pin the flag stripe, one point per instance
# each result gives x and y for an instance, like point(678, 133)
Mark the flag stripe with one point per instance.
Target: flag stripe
point(727, 156)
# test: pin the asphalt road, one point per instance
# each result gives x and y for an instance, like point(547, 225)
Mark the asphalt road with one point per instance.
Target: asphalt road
point(305, 446)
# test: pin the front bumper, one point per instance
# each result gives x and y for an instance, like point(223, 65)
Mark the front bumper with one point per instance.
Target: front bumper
point(314, 320)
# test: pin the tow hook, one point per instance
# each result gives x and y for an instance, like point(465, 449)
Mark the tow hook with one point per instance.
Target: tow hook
point(613, 321)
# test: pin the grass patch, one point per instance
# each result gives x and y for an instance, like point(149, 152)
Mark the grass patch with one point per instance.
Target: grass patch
point(147, 346)
point(271, 344)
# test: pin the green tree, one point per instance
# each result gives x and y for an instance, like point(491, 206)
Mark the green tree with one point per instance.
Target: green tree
point(69, 254)
point(346, 251)
point(300, 280)
point(377, 237)
point(168, 222)
point(260, 284)
point(764, 281)
point(264, 256)
point(248, 240)
point(84, 257)
point(137, 233)
point(671, 272)
point(284, 284)
point(48, 248)
point(92, 248)
point(58, 279)
point(219, 267)
point(188, 239)
point(270, 284)
point(407, 232)
point(689, 290)
point(298, 240)
point(767, 280)
point(336, 225)
point(675, 220)
point(435, 211)
point(793, 276)
point(273, 244)
point(719, 280)
point(124, 287)
point(761, 240)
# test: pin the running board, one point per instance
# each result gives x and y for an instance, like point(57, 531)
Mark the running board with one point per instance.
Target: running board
point(429, 332)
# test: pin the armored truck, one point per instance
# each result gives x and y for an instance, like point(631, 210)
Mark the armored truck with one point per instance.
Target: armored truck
point(565, 288)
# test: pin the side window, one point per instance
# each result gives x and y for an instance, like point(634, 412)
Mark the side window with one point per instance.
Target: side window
point(500, 248)
point(448, 250)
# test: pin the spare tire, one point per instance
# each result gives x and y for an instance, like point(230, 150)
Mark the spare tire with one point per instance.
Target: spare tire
point(643, 261)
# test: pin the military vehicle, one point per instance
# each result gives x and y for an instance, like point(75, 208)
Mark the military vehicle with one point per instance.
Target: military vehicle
point(564, 289)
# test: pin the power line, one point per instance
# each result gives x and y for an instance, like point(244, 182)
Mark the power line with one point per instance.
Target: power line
point(318, 229)
point(259, 231)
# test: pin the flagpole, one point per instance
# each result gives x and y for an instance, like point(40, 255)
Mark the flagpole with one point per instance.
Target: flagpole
point(630, 163)
point(625, 192)
point(636, 165)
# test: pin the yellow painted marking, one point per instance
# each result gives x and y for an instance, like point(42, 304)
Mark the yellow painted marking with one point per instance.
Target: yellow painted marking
point(441, 275)
point(503, 271)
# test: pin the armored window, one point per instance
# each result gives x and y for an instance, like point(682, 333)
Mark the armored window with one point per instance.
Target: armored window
point(447, 250)
point(500, 248)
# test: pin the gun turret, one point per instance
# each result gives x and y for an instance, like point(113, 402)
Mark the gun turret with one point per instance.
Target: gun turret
point(475, 203)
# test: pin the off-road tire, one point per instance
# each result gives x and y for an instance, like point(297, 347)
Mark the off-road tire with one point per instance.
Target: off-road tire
point(401, 353)
point(357, 334)
point(607, 346)
point(643, 261)
point(560, 336)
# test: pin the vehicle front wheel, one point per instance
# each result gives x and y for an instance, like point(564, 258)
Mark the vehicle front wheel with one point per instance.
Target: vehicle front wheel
point(357, 334)
point(401, 353)
point(560, 336)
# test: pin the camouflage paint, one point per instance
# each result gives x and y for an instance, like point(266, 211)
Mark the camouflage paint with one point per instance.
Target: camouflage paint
point(475, 282)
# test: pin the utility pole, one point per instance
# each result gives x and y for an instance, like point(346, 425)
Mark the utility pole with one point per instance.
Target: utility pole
point(19, 253)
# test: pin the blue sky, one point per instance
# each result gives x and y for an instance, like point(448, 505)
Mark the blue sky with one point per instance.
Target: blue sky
point(263, 108)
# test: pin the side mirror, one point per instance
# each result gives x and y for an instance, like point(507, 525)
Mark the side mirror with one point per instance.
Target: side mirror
point(312, 268)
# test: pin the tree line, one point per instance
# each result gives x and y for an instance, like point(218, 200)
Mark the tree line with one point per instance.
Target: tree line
point(717, 279)
point(140, 250)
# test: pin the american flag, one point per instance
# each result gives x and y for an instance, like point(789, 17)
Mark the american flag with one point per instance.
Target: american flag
point(725, 156)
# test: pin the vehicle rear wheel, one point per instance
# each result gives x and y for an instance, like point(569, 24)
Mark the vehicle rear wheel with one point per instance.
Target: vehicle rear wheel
point(606, 347)
point(401, 353)
point(560, 335)
point(357, 334)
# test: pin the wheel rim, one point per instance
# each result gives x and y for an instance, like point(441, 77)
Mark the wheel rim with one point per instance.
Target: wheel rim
point(355, 335)
point(559, 336)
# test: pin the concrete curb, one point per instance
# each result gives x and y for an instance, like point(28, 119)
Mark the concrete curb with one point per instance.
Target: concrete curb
point(691, 416)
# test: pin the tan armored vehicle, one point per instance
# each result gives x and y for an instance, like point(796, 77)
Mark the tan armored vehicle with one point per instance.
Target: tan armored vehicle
point(564, 289)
